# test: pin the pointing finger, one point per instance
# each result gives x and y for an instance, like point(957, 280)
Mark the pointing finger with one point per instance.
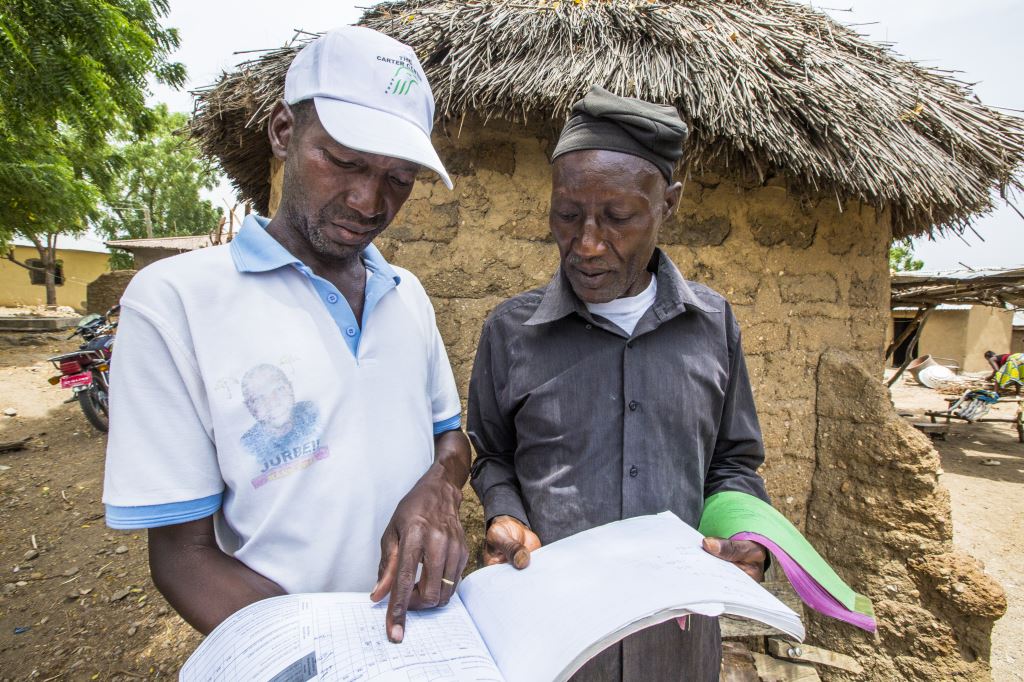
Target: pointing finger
point(409, 555)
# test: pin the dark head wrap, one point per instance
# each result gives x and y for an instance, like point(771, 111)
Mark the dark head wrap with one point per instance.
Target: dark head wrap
point(602, 120)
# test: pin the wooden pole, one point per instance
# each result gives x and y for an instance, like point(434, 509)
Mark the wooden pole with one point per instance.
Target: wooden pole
point(147, 219)
point(905, 333)
point(910, 356)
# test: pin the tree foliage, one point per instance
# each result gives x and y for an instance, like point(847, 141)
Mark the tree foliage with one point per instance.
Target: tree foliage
point(83, 62)
point(156, 188)
point(71, 71)
point(901, 257)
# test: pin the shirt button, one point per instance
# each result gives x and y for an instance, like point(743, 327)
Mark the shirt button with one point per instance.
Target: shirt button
point(629, 344)
point(633, 405)
point(332, 298)
point(351, 331)
point(633, 471)
point(590, 326)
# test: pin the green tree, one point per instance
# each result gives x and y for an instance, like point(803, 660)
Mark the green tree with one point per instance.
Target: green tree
point(901, 257)
point(71, 72)
point(155, 191)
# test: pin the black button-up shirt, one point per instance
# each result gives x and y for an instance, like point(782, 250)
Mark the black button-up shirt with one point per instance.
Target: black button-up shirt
point(576, 424)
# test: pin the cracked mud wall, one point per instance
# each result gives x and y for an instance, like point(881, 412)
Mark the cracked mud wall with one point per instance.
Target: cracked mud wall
point(803, 276)
point(879, 514)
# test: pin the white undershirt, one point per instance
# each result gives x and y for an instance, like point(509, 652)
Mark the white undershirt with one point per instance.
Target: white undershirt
point(626, 312)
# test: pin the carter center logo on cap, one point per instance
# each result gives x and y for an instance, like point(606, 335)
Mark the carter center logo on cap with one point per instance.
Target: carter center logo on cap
point(403, 78)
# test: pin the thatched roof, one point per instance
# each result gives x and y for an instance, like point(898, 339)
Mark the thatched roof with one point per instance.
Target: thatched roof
point(767, 86)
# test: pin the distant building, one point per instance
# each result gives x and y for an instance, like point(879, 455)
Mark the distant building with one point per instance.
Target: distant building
point(147, 251)
point(80, 260)
point(955, 335)
point(968, 312)
point(1017, 338)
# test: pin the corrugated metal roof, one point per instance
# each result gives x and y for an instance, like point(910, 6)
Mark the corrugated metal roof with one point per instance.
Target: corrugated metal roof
point(925, 276)
point(187, 243)
point(942, 306)
point(997, 287)
point(66, 242)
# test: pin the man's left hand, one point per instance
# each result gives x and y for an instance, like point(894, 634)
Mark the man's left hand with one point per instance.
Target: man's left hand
point(425, 528)
point(746, 554)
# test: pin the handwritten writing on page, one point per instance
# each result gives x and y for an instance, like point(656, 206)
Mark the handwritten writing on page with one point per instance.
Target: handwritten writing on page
point(340, 638)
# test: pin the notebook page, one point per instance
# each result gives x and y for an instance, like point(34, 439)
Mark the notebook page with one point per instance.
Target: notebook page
point(589, 590)
point(340, 637)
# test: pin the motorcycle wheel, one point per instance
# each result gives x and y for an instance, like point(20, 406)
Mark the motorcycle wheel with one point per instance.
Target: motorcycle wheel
point(95, 408)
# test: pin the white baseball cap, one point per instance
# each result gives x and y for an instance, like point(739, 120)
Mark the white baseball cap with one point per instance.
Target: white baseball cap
point(370, 94)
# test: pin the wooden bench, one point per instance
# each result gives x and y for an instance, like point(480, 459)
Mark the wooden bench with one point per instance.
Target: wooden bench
point(1017, 419)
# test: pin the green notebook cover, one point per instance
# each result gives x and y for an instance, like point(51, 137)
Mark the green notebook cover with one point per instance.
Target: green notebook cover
point(728, 513)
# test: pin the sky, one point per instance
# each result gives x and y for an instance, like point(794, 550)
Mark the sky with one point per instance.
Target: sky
point(979, 38)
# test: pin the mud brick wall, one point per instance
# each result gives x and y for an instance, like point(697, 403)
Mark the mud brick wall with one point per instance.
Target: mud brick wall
point(880, 515)
point(106, 290)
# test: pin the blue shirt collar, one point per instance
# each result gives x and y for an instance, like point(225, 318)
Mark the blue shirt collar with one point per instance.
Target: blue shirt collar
point(253, 250)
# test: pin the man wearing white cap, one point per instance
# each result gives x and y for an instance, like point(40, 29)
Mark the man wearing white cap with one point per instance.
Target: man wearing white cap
point(283, 414)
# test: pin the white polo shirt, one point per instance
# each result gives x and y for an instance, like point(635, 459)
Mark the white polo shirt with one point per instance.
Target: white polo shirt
point(241, 385)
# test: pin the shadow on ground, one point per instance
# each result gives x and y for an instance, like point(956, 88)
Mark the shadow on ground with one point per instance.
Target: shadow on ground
point(967, 446)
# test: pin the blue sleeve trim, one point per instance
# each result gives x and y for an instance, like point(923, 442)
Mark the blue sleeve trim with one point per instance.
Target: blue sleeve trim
point(157, 515)
point(449, 424)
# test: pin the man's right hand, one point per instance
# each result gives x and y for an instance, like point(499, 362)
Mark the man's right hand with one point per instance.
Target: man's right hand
point(509, 542)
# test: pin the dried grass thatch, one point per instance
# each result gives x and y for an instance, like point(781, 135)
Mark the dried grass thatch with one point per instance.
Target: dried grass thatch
point(767, 86)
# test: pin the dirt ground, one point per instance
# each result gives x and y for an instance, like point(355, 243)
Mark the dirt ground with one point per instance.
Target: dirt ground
point(77, 603)
point(983, 466)
point(84, 608)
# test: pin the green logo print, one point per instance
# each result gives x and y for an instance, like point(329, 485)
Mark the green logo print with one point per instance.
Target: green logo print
point(402, 81)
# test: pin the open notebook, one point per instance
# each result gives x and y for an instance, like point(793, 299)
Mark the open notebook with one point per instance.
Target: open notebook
point(577, 597)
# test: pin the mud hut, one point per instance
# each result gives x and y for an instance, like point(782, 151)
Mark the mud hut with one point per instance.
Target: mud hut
point(812, 149)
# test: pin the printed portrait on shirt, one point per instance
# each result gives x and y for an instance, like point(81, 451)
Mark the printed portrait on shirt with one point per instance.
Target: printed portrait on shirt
point(286, 435)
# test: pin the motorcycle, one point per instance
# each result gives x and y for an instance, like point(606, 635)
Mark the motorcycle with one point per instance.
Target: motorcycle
point(87, 371)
